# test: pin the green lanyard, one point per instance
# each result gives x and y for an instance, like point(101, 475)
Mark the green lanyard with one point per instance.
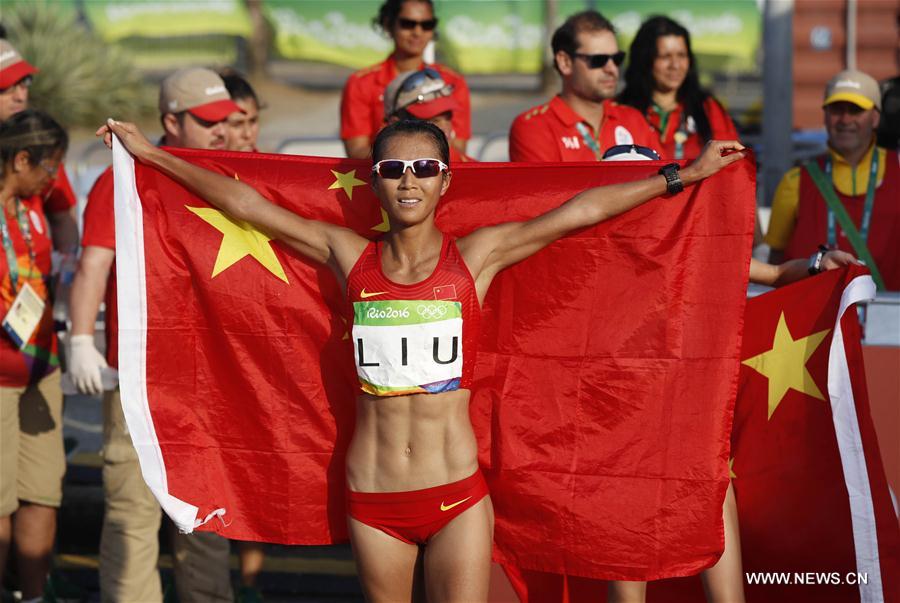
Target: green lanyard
point(867, 207)
point(679, 136)
point(11, 258)
point(589, 140)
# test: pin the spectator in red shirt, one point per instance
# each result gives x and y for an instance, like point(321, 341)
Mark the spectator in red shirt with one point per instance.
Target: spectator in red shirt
point(583, 121)
point(58, 198)
point(32, 458)
point(411, 24)
point(661, 82)
point(423, 95)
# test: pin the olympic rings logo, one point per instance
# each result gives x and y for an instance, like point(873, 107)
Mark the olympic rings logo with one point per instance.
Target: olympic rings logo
point(431, 312)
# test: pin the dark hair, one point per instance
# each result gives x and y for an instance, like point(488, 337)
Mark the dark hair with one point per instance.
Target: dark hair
point(390, 10)
point(564, 37)
point(238, 87)
point(639, 83)
point(34, 132)
point(411, 127)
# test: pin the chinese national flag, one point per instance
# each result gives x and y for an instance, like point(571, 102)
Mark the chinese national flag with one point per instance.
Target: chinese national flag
point(604, 388)
point(812, 497)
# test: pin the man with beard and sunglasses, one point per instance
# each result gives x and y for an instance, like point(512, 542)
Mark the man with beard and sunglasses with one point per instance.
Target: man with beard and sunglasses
point(583, 121)
point(411, 24)
point(849, 197)
point(194, 105)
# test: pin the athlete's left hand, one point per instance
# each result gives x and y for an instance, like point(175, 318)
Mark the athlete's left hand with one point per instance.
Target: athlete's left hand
point(835, 258)
point(716, 155)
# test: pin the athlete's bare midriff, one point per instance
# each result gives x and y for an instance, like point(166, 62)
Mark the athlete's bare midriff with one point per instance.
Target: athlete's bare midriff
point(405, 443)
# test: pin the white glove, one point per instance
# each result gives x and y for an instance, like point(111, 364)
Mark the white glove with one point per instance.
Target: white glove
point(85, 364)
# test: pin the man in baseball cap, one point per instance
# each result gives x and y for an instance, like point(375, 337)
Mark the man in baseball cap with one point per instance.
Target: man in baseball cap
point(193, 107)
point(424, 95)
point(15, 78)
point(193, 104)
point(854, 173)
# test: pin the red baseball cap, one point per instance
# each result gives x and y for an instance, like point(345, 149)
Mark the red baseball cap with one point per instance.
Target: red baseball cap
point(12, 66)
point(423, 94)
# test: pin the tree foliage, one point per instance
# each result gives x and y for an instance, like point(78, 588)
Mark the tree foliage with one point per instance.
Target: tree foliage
point(82, 79)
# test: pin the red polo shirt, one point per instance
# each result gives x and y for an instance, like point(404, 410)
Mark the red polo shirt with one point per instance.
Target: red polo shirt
point(39, 357)
point(549, 132)
point(720, 124)
point(362, 104)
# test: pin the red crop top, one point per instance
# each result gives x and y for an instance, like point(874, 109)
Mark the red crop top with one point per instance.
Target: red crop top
point(418, 338)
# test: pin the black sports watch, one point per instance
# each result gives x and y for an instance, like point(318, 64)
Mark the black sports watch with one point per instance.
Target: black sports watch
point(673, 180)
point(815, 260)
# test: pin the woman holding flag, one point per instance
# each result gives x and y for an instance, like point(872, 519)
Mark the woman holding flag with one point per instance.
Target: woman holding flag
point(419, 515)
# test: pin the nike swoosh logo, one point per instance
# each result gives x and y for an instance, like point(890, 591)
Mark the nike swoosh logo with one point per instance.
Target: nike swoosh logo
point(448, 507)
point(364, 294)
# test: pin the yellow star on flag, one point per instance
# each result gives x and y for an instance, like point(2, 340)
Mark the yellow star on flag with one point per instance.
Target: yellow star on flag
point(346, 181)
point(239, 240)
point(785, 364)
point(385, 224)
point(731, 473)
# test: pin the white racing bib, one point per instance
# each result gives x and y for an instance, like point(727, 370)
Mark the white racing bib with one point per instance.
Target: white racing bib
point(408, 346)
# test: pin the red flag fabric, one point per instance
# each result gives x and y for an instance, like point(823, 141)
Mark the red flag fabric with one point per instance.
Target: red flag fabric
point(607, 370)
point(812, 496)
point(816, 517)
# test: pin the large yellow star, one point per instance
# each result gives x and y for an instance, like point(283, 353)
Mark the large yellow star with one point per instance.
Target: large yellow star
point(346, 181)
point(239, 240)
point(785, 364)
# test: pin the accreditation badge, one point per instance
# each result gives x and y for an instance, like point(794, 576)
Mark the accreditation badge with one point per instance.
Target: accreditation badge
point(24, 315)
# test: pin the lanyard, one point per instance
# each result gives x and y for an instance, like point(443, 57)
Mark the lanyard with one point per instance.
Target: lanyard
point(589, 140)
point(11, 258)
point(679, 136)
point(867, 207)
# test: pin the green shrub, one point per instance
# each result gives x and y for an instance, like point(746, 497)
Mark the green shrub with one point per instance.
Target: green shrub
point(82, 80)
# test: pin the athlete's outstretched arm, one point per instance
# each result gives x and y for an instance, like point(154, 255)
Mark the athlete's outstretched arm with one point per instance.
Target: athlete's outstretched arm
point(782, 274)
point(489, 250)
point(319, 241)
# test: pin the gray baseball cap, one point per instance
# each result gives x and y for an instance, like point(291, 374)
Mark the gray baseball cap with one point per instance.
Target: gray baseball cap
point(199, 91)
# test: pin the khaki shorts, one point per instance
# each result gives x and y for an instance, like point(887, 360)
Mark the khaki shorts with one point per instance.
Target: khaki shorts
point(32, 456)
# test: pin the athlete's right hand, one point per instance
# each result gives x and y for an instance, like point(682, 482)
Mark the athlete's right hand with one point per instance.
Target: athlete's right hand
point(85, 364)
point(129, 135)
point(716, 155)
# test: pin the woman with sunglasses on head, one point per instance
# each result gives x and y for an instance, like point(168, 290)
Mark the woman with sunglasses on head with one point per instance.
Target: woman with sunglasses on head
point(411, 24)
point(661, 82)
point(419, 515)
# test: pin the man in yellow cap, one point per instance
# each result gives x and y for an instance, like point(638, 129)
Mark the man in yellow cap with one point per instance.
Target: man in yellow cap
point(849, 197)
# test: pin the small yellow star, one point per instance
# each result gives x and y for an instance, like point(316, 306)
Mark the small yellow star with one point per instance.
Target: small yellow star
point(385, 224)
point(731, 473)
point(239, 240)
point(785, 364)
point(346, 181)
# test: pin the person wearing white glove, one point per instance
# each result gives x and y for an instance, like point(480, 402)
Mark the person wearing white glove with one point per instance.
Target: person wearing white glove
point(85, 364)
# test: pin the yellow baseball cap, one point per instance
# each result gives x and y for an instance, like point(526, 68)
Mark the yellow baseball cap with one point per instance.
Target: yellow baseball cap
point(853, 86)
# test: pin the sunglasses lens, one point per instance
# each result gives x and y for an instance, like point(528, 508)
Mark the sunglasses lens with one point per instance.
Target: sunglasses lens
point(426, 168)
point(390, 169)
point(411, 24)
point(618, 58)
